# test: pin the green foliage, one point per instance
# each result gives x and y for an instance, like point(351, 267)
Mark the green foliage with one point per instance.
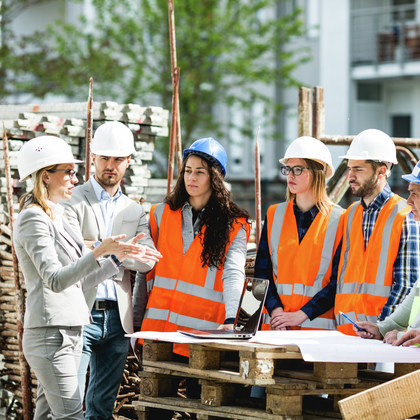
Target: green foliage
point(226, 50)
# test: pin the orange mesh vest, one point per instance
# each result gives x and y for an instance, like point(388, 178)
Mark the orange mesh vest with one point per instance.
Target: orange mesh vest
point(365, 276)
point(183, 295)
point(300, 271)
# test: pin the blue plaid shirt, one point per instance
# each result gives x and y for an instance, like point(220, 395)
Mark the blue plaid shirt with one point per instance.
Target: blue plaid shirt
point(406, 265)
point(323, 300)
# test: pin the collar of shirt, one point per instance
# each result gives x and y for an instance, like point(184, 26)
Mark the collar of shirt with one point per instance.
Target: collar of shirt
point(304, 219)
point(298, 212)
point(379, 201)
point(101, 194)
point(58, 210)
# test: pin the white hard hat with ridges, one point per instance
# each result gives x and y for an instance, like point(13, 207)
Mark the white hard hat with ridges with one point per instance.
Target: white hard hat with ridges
point(372, 144)
point(41, 152)
point(306, 147)
point(113, 139)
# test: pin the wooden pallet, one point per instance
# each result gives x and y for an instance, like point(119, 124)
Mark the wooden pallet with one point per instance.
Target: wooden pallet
point(226, 373)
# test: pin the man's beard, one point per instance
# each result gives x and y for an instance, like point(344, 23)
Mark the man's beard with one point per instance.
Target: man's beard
point(367, 188)
point(107, 181)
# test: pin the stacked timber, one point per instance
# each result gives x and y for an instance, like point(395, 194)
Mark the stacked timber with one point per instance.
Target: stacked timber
point(11, 374)
point(68, 121)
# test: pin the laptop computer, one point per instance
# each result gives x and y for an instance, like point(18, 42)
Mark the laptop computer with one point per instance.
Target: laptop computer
point(248, 315)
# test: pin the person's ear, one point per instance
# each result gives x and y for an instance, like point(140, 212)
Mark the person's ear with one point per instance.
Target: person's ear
point(382, 170)
point(45, 177)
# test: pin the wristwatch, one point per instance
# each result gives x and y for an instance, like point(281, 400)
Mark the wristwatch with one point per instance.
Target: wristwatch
point(95, 244)
point(116, 260)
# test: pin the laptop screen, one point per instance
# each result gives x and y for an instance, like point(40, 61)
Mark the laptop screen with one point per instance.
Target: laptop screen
point(250, 305)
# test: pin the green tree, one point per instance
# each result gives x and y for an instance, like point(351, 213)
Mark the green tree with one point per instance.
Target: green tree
point(226, 50)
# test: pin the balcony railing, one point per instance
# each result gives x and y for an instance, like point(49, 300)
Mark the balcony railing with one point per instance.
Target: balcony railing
point(385, 35)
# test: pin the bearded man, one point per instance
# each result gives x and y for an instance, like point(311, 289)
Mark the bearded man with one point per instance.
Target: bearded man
point(379, 258)
point(96, 210)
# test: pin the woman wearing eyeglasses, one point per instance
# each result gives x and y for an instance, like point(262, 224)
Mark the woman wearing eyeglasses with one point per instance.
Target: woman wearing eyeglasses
point(300, 243)
point(57, 270)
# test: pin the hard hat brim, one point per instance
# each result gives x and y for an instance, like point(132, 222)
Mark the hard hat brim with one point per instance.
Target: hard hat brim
point(411, 178)
point(23, 179)
point(365, 158)
point(111, 153)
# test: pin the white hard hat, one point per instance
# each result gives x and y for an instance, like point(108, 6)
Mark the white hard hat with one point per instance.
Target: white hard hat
point(372, 144)
point(41, 152)
point(113, 139)
point(310, 148)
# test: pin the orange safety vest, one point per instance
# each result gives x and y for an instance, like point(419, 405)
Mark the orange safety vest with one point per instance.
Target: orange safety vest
point(301, 270)
point(183, 294)
point(365, 276)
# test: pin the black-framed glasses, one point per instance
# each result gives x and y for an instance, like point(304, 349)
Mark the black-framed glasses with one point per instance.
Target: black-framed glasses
point(296, 170)
point(70, 172)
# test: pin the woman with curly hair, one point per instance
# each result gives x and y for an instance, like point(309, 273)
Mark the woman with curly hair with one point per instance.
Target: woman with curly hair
point(202, 236)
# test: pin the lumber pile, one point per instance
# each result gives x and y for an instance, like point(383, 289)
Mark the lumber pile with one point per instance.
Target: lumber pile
point(68, 121)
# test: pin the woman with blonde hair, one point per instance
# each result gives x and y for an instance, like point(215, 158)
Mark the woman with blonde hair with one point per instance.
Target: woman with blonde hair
point(300, 243)
point(57, 269)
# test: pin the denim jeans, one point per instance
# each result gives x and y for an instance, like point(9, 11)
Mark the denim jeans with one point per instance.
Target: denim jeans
point(105, 350)
point(54, 355)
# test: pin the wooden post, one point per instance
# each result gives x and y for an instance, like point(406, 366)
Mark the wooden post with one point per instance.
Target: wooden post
point(174, 64)
point(257, 191)
point(318, 112)
point(19, 292)
point(172, 137)
point(89, 127)
point(304, 112)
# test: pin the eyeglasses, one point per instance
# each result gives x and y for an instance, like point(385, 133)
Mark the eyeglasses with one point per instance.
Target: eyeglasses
point(70, 172)
point(296, 170)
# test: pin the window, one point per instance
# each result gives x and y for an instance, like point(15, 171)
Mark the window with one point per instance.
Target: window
point(369, 92)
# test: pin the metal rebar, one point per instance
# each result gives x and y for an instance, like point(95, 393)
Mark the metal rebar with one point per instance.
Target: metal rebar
point(89, 128)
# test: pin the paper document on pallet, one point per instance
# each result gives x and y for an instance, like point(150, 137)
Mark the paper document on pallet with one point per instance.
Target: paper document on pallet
point(333, 346)
point(315, 346)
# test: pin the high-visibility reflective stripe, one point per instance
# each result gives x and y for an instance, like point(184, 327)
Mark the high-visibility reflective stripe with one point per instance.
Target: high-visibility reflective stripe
point(365, 288)
point(211, 277)
point(149, 285)
point(386, 239)
point(190, 322)
point(374, 289)
point(302, 289)
point(347, 288)
point(159, 314)
point(158, 213)
point(189, 288)
point(328, 246)
point(198, 291)
point(276, 231)
point(266, 318)
point(284, 289)
point(165, 283)
point(370, 318)
point(317, 323)
point(350, 212)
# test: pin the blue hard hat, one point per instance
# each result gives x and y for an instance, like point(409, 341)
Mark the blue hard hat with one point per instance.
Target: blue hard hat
point(414, 176)
point(210, 149)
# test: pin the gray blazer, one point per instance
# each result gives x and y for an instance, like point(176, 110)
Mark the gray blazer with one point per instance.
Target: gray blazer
point(84, 214)
point(56, 272)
